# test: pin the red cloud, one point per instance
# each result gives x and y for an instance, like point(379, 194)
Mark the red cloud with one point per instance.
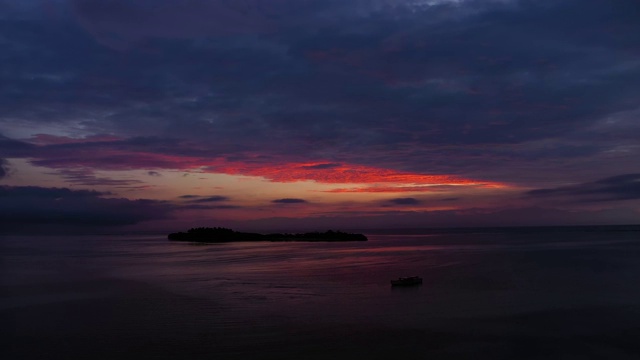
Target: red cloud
point(403, 188)
point(102, 153)
point(346, 174)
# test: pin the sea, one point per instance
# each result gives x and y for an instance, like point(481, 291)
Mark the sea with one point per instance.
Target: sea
point(519, 293)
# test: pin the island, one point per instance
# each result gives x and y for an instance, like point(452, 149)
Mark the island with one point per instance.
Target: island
point(220, 235)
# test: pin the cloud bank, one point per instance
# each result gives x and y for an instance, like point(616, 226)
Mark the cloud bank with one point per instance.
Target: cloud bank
point(26, 206)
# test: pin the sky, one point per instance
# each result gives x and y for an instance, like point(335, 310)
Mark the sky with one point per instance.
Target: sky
point(122, 115)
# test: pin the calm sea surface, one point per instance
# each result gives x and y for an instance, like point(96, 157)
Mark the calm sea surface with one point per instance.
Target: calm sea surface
point(521, 295)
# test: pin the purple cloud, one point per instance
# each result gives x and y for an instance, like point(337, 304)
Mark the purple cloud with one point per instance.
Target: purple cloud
point(4, 168)
point(621, 187)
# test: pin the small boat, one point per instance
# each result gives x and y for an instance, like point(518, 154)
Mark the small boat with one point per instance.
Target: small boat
point(407, 281)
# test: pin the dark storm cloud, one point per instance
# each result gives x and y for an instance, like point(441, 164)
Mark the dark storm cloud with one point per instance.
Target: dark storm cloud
point(189, 196)
point(450, 87)
point(621, 187)
point(29, 205)
point(199, 202)
point(289, 201)
point(210, 199)
point(404, 201)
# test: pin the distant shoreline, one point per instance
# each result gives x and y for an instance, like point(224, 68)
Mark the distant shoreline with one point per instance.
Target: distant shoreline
point(506, 229)
point(220, 235)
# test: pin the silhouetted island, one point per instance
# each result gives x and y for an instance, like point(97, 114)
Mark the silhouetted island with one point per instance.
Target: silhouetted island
point(219, 234)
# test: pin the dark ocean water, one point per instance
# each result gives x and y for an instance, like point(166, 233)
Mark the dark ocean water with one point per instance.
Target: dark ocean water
point(495, 295)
